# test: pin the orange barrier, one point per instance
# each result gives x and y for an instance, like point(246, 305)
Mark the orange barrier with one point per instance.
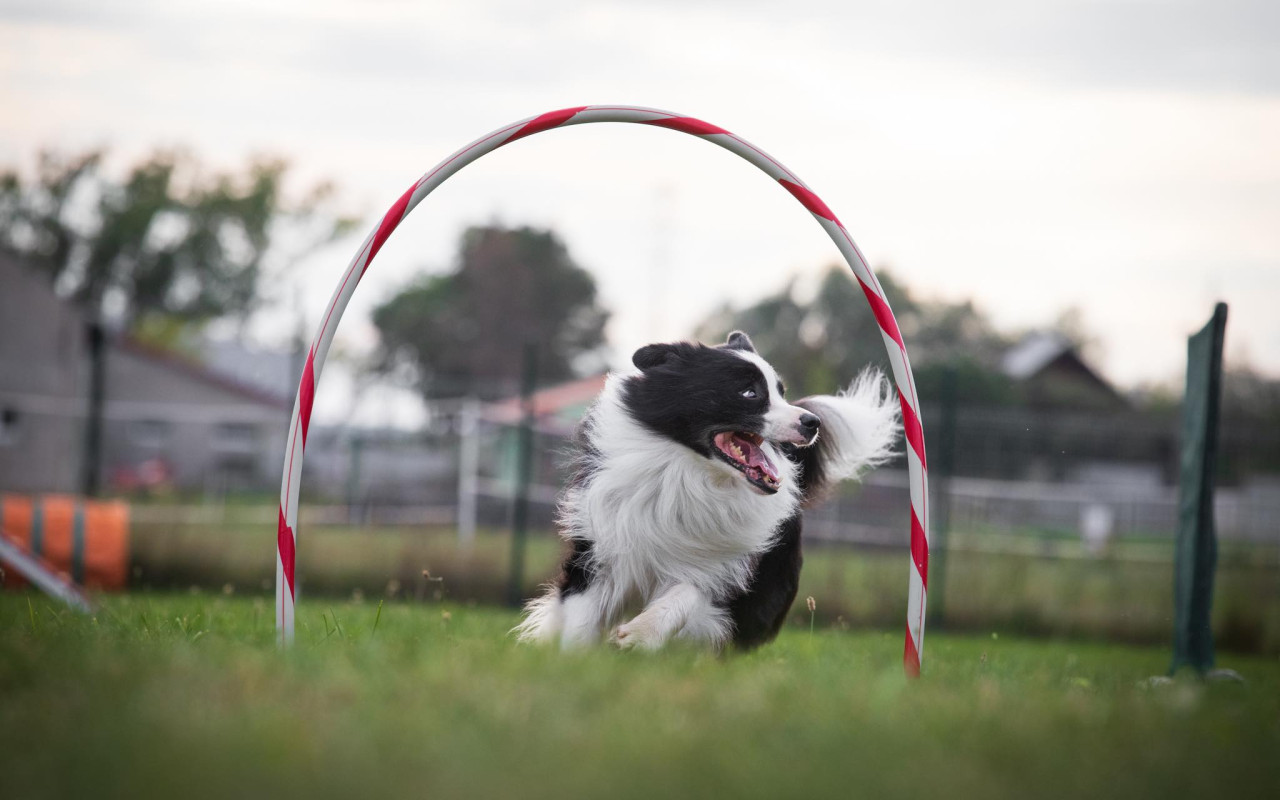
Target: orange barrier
point(86, 539)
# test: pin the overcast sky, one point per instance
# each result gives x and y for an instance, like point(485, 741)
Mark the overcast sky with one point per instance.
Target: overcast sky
point(1118, 157)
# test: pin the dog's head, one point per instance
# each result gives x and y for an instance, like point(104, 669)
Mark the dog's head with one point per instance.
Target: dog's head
point(724, 403)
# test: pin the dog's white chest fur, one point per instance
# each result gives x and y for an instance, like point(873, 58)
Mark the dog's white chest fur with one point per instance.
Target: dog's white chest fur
point(658, 513)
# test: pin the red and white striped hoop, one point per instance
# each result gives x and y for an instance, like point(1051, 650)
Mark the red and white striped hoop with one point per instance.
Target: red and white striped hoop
point(296, 443)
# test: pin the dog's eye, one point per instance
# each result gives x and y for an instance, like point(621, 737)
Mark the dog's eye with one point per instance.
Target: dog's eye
point(750, 394)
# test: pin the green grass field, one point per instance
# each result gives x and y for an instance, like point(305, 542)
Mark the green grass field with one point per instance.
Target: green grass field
point(187, 695)
point(1127, 596)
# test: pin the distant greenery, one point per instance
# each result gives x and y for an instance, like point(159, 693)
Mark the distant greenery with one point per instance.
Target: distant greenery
point(826, 341)
point(188, 696)
point(166, 243)
point(465, 332)
point(1251, 414)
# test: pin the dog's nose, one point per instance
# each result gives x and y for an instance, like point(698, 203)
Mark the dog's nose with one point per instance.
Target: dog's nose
point(809, 423)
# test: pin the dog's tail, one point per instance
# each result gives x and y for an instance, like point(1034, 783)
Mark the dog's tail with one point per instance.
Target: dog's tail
point(859, 429)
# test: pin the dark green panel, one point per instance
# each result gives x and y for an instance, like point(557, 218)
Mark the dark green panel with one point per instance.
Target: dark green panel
point(1197, 543)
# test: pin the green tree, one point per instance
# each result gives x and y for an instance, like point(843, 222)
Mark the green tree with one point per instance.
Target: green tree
point(827, 341)
point(166, 245)
point(465, 332)
point(1250, 438)
point(166, 240)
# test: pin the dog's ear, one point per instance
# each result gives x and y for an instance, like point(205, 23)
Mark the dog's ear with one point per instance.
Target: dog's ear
point(651, 355)
point(739, 341)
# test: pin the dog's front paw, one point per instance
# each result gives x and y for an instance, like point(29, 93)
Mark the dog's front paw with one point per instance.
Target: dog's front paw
point(621, 637)
point(635, 634)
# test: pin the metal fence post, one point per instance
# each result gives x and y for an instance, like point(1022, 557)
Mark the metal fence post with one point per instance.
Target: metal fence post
point(468, 471)
point(524, 475)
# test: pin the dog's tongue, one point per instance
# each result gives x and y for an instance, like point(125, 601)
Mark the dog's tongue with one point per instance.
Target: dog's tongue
point(755, 457)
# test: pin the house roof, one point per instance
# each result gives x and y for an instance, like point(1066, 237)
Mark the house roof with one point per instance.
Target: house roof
point(552, 400)
point(1050, 364)
point(273, 372)
point(1035, 352)
point(212, 370)
point(192, 369)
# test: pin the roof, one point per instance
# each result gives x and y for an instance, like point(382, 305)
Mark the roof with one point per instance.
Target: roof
point(1054, 374)
point(553, 399)
point(1035, 352)
point(192, 369)
point(273, 372)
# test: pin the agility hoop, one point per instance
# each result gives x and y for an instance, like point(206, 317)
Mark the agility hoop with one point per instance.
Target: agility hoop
point(286, 537)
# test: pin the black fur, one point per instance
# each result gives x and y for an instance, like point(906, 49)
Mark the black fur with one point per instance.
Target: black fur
point(575, 573)
point(759, 613)
point(690, 392)
point(739, 341)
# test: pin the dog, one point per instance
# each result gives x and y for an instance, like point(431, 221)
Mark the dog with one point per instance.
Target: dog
point(688, 479)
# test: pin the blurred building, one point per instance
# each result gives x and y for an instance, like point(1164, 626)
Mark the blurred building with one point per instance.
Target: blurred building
point(564, 403)
point(172, 419)
point(169, 420)
point(43, 380)
point(1053, 374)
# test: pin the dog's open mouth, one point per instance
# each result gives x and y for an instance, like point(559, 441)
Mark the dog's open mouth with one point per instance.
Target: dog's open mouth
point(742, 452)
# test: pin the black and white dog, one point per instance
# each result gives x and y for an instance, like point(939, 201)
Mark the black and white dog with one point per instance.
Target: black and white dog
point(690, 474)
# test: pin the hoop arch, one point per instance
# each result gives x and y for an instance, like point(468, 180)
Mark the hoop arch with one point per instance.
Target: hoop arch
point(295, 445)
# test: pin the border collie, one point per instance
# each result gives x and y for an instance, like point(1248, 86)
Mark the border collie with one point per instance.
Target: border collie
point(689, 477)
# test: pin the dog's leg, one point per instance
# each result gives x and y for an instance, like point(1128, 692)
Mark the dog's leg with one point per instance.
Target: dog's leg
point(708, 624)
point(583, 616)
point(683, 610)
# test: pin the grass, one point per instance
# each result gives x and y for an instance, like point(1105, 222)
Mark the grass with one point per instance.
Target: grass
point(1126, 597)
point(180, 694)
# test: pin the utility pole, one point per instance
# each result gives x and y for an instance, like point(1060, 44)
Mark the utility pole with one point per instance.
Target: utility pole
point(91, 467)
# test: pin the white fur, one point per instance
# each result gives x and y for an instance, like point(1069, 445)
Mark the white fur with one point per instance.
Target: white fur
point(671, 529)
point(782, 420)
point(683, 609)
point(859, 426)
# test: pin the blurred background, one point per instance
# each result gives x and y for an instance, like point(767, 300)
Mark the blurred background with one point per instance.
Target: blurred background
point(1054, 196)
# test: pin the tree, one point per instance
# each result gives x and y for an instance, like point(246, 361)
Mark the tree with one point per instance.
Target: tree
point(464, 333)
point(826, 342)
point(166, 242)
point(1250, 420)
